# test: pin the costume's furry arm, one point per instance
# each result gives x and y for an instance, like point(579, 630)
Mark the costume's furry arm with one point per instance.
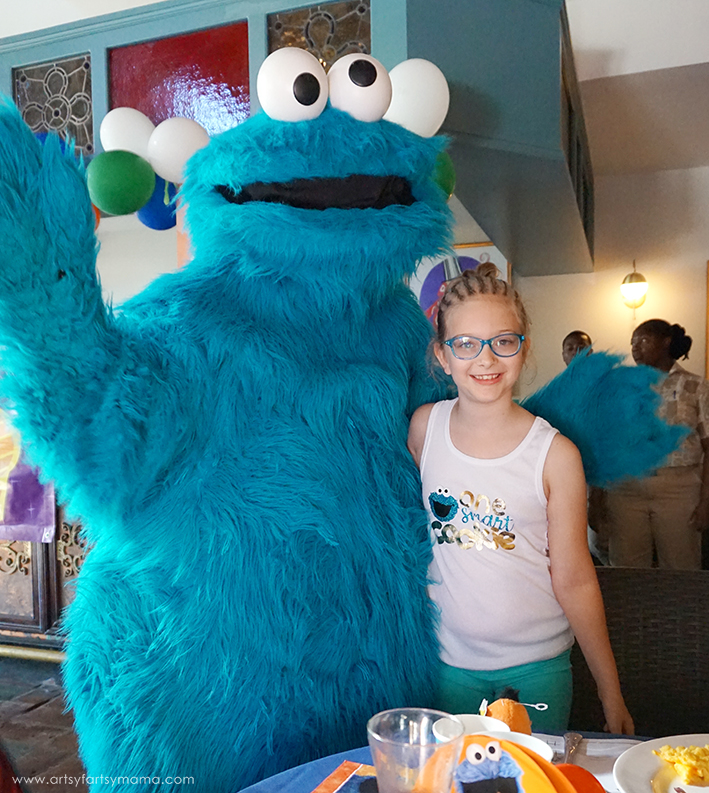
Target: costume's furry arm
point(427, 381)
point(62, 348)
point(609, 412)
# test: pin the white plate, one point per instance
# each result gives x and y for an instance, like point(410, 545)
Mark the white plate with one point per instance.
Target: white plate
point(528, 741)
point(638, 770)
point(473, 724)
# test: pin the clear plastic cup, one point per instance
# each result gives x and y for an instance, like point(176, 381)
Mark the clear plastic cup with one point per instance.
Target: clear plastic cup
point(409, 757)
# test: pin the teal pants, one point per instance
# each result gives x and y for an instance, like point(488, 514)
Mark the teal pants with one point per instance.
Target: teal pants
point(549, 682)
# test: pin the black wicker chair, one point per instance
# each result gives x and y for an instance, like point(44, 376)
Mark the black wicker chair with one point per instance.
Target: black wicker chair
point(658, 621)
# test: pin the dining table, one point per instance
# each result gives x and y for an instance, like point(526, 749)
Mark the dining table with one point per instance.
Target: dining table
point(597, 753)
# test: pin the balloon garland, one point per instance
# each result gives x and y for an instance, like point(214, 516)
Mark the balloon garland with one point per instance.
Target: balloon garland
point(141, 165)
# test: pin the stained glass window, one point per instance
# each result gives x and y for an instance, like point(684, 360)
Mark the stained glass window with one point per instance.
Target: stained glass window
point(328, 30)
point(56, 96)
point(202, 75)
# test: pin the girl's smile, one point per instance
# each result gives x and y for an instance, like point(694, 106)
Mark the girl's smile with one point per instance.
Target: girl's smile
point(486, 378)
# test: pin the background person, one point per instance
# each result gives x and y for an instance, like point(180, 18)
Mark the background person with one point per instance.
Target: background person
point(664, 514)
point(574, 343)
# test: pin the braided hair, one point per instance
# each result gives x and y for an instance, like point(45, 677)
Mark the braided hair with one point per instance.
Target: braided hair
point(483, 280)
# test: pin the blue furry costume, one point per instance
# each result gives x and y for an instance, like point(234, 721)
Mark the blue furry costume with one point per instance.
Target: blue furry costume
point(234, 440)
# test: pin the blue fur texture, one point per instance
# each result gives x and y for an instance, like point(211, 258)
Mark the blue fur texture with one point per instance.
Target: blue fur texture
point(234, 440)
point(609, 412)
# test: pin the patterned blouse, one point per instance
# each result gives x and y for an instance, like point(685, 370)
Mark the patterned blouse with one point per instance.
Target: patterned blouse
point(685, 400)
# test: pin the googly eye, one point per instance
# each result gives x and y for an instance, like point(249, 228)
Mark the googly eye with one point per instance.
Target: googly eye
point(475, 754)
point(419, 97)
point(360, 86)
point(292, 85)
point(493, 751)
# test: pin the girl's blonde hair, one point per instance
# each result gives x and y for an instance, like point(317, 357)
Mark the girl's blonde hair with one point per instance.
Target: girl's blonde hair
point(483, 280)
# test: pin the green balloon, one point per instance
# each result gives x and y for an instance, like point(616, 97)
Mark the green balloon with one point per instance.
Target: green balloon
point(120, 182)
point(444, 175)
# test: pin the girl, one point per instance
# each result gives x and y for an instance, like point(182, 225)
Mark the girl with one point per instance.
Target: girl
point(506, 496)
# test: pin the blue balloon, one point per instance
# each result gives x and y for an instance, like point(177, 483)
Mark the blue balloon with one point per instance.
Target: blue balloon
point(42, 138)
point(159, 212)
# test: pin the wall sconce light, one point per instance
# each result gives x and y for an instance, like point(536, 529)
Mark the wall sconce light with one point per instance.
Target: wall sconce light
point(634, 289)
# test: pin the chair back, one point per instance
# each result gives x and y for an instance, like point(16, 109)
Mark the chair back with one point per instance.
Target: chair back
point(658, 622)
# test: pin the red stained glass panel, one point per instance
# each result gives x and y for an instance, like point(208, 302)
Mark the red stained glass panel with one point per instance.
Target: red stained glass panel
point(202, 75)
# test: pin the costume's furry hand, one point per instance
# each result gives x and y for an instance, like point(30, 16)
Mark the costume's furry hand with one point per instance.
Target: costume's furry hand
point(59, 342)
point(46, 223)
point(609, 411)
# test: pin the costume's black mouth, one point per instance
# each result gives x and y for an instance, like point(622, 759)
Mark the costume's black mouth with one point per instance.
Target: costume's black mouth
point(353, 192)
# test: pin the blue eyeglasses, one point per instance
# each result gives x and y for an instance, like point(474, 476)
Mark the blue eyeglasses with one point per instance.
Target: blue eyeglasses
point(467, 347)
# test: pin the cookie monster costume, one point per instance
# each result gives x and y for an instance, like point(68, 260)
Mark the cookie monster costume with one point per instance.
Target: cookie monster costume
point(234, 441)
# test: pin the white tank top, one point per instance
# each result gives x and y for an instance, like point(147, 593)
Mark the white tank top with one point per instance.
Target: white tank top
point(490, 573)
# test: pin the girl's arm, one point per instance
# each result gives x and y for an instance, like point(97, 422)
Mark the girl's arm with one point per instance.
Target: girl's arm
point(574, 578)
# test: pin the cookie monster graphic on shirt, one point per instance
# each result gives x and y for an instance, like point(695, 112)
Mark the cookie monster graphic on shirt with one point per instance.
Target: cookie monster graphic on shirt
point(443, 504)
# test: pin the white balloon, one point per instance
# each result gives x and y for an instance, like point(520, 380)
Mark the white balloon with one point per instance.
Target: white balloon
point(172, 143)
point(419, 97)
point(126, 129)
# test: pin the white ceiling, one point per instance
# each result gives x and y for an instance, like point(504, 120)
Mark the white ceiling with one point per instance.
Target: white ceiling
point(614, 37)
point(644, 67)
point(23, 17)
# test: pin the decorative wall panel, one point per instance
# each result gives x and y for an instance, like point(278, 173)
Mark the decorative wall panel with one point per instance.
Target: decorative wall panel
point(71, 552)
point(328, 30)
point(16, 583)
point(37, 584)
point(56, 96)
point(203, 76)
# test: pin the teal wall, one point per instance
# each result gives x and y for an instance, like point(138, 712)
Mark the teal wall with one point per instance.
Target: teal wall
point(502, 61)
